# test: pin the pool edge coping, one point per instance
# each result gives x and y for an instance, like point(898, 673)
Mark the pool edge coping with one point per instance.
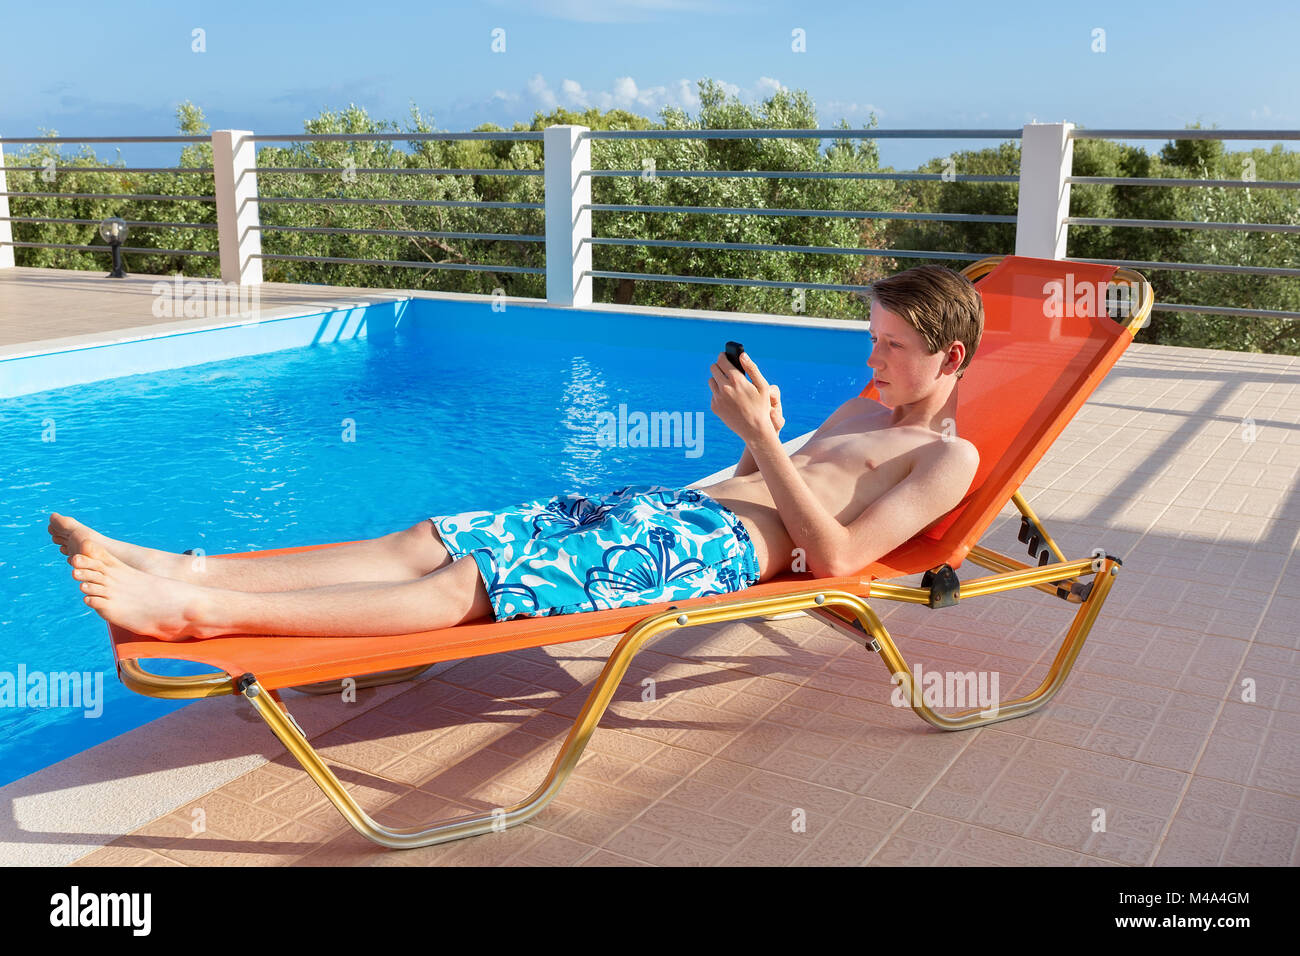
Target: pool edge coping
point(138, 333)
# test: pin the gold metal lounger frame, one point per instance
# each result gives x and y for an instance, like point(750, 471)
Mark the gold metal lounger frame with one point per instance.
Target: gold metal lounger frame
point(940, 588)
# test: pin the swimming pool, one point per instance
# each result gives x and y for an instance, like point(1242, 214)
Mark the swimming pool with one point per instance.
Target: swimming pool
point(445, 406)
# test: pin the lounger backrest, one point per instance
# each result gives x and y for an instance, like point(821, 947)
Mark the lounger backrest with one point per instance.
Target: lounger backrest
point(1047, 344)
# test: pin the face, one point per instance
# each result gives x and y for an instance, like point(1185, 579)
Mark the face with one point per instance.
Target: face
point(904, 369)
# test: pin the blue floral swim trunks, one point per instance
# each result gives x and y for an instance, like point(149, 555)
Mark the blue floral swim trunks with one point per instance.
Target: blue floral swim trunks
point(641, 544)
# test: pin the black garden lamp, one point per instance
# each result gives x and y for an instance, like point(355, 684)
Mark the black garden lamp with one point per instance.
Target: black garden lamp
point(113, 231)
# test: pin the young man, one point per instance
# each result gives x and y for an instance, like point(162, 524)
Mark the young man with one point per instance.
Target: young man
point(871, 477)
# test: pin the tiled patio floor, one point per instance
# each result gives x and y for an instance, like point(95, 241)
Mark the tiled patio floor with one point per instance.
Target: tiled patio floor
point(774, 742)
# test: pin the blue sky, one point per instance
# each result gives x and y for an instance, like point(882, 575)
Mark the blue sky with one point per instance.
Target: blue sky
point(270, 65)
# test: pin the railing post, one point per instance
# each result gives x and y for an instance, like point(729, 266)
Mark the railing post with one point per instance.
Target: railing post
point(1046, 155)
point(234, 173)
point(567, 156)
point(6, 227)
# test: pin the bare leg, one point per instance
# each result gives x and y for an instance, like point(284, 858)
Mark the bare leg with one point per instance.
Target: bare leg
point(173, 610)
point(401, 556)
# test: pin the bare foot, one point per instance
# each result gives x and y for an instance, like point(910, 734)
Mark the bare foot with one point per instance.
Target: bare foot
point(71, 536)
point(136, 600)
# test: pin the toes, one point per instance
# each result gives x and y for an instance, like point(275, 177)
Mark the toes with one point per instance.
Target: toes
point(89, 574)
point(96, 589)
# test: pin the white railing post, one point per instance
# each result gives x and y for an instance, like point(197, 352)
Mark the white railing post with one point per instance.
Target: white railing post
point(6, 227)
point(234, 173)
point(567, 157)
point(1046, 155)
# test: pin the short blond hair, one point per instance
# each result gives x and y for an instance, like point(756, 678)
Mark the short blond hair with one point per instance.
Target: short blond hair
point(939, 303)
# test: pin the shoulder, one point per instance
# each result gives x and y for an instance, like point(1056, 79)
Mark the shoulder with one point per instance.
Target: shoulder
point(950, 463)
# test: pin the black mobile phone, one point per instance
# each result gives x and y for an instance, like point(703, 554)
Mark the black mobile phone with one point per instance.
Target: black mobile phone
point(734, 351)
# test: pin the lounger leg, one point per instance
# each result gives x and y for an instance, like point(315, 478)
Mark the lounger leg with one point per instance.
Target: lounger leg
point(602, 692)
point(872, 628)
point(290, 734)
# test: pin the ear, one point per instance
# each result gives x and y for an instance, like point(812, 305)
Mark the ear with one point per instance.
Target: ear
point(955, 355)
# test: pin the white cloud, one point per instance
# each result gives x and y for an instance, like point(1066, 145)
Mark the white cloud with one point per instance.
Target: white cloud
point(684, 94)
point(540, 92)
point(834, 110)
point(574, 95)
point(624, 92)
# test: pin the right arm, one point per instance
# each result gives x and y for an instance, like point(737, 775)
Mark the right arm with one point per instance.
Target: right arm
point(747, 465)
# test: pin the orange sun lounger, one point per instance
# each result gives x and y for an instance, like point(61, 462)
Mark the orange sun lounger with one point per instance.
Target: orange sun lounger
point(1048, 342)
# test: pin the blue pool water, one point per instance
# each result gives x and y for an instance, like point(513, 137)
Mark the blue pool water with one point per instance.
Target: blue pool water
point(459, 407)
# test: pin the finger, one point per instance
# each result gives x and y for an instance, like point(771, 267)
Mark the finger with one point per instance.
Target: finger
point(754, 374)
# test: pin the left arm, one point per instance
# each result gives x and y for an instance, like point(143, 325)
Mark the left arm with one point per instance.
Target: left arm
point(811, 527)
point(938, 480)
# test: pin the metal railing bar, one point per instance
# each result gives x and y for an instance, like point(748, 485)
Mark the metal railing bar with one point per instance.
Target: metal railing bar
point(1260, 134)
point(106, 139)
point(96, 222)
point(804, 134)
point(711, 280)
point(339, 201)
point(798, 174)
point(414, 170)
point(1225, 310)
point(414, 233)
point(390, 137)
point(758, 247)
point(813, 213)
point(109, 169)
point(1144, 181)
point(468, 266)
point(147, 198)
point(1193, 267)
point(132, 249)
point(761, 283)
point(1173, 224)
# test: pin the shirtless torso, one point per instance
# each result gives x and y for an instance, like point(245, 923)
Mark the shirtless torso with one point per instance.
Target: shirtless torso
point(847, 466)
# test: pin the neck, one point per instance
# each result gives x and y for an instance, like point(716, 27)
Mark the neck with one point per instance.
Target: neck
point(931, 411)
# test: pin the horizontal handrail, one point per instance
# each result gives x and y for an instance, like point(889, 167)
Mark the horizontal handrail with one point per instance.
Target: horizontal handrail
point(1193, 267)
point(413, 233)
point(191, 138)
point(1260, 134)
point(418, 170)
point(759, 247)
point(802, 134)
point(1174, 224)
point(95, 222)
point(1148, 181)
point(109, 169)
point(134, 249)
point(342, 201)
point(1225, 310)
point(801, 174)
point(811, 213)
point(719, 280)
point(145, 197)
point(465, 266)
point(388, 137)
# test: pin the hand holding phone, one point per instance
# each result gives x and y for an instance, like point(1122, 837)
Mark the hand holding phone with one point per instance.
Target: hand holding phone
point(734, 351)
